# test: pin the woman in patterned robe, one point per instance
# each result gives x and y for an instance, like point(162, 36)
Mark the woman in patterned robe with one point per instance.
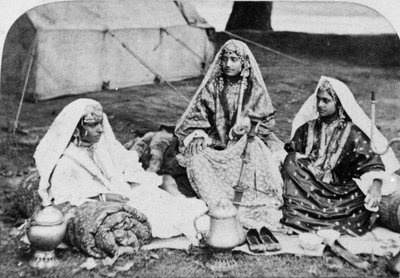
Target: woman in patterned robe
point(331, 175)
point(213, 109)
point(219, 155)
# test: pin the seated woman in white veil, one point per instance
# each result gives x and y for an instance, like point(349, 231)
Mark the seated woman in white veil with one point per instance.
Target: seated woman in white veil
point(80, 160)
point(231, 101)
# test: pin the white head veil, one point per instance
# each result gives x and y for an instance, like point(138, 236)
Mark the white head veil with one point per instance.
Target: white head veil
point(57, 138)
point(215, 71)
point(309, 112)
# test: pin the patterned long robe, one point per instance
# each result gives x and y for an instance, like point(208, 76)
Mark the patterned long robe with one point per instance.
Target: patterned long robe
point(214, 172)
point(326, 196)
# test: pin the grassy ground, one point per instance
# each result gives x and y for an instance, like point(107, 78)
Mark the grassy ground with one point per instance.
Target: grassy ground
point(364, 63)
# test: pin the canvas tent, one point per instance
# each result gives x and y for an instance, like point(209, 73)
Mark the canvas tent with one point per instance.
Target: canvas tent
point(76, 47)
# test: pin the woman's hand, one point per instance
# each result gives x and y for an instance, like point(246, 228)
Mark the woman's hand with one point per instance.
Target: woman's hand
point(374, 195)
point(114, 197)
point(241, 127)
point(196, 145)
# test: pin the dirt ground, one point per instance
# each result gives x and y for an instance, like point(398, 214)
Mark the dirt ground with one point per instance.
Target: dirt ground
point(364, 63)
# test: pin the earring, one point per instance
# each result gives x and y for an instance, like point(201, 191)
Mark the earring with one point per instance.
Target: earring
point(341, 113)
point(76, 133)
point(76, 137)
point(246, 70)
point(86, 133)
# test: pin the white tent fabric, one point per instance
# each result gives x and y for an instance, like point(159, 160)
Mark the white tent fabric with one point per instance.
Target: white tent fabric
point(83, 45)
point(10, 10)
point(107, 15)
point(191, 15)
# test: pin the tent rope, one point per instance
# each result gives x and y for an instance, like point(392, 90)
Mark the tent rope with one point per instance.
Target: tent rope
point(265, 47)
point(185, 46)
point(182, 43)
point(146, 65)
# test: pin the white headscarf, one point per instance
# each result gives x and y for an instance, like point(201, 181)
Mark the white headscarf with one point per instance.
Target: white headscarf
point(55, 141)
point(309, 112)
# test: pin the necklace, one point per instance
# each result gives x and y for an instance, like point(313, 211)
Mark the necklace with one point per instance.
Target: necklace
point(233, 80)
point(88, 149)
point(334, 122)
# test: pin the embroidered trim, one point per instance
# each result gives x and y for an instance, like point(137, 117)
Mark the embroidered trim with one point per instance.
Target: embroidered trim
point(221, 129)
point(310, 137)
point(331, 161)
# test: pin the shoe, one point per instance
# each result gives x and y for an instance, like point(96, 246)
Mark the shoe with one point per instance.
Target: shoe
point(330, 260)
point(394, 264)
point(270, 242)
point(254, 241)
point(351, 258)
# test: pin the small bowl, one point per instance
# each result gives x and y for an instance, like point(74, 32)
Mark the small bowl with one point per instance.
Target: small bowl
point(309, 241)
point(328, 235)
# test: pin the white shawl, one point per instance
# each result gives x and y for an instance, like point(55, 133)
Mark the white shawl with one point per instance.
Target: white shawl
point(168, 215)
point(114, 160)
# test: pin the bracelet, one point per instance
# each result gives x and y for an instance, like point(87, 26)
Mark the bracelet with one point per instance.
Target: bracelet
point(102, 197)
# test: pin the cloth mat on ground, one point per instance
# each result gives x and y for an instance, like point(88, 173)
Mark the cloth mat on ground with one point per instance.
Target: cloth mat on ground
point(378, 242)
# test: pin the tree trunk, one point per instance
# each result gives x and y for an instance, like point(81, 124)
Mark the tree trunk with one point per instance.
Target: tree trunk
point(250, 16)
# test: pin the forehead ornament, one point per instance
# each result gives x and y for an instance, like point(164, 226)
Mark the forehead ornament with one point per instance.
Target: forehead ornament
point(327, 87)
point(233, 49)
point(93, 114)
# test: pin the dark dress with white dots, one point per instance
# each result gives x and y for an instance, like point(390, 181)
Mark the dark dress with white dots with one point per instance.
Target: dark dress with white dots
point(325, 196)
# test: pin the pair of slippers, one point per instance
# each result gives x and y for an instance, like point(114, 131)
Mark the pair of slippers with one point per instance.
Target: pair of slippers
point(262, 241)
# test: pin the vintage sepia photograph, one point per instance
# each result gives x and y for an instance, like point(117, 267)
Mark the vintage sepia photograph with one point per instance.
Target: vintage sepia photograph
point(199, 138)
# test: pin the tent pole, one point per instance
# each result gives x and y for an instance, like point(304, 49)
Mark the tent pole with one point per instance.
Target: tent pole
point(265, 47)
point(159, 76)
point(32, 54)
